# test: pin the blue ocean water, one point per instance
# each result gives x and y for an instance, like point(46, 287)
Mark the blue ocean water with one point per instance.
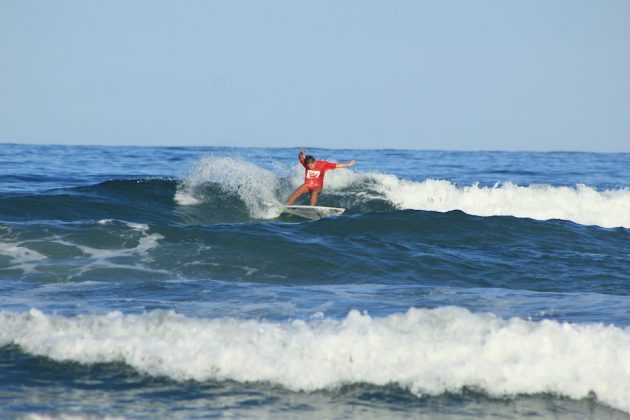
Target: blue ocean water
point(164, 282)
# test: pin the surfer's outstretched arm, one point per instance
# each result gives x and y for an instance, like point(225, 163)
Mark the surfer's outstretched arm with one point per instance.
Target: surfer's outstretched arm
point(345, 165)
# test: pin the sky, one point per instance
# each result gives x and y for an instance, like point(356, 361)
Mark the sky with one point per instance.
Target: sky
point(534, 75)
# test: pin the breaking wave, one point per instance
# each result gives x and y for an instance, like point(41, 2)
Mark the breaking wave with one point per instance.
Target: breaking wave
point(428, 351)
point(262, 191)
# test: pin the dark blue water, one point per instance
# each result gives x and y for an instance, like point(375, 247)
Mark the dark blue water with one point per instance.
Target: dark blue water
point(165, 282)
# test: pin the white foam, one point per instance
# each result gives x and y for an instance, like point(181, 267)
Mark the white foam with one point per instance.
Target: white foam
point(19, 252)
point(427, 351)
point(185, 197)
point(256, 186)
point(100, 257)
point(69, 416)
point(140, 227)
point(146, 243)
point(580, 204)
point(137, 257)
point(21, 256)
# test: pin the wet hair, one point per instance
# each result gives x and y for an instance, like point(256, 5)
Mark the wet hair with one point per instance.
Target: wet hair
point(308, 159)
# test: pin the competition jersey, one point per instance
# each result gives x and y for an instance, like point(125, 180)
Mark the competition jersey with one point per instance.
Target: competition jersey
point(314, 178)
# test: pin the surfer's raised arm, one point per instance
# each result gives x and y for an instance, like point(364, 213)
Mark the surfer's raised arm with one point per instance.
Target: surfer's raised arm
point(301, 155)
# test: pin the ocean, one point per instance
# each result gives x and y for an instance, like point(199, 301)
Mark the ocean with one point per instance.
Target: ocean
point(163, 282)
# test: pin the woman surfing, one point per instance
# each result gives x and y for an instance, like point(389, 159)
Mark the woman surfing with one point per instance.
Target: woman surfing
point(314, 171)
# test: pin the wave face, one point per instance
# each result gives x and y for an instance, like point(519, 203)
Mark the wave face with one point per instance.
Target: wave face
point(426, 351)
point(400, 247)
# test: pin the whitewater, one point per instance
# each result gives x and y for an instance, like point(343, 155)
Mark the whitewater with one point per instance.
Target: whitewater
point(426, 351)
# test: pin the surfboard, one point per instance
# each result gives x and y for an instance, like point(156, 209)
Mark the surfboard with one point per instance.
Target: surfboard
point(313, 212)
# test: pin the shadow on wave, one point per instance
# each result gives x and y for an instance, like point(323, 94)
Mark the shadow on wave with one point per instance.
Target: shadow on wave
point(141, 200)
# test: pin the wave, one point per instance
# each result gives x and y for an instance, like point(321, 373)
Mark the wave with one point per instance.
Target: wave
point(580, 204)
point(255, 186)
point(262, 191)
point(139, 200)
point(428, 351)
point(230, 190)
point(402, 247)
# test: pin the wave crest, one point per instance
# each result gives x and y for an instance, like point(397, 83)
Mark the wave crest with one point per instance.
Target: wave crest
point(581, 204)
point(255, 186)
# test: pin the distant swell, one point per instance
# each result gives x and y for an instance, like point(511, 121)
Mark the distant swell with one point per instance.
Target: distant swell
point(426, 351)
point(138, 200)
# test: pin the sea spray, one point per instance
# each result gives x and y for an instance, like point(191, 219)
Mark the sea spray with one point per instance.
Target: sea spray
point(254, 185)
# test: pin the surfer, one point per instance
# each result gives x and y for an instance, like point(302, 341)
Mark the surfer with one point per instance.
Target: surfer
point(314, 171)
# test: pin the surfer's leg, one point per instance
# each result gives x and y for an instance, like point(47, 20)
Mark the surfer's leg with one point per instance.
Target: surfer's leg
point(296, 194)
point(314, 195)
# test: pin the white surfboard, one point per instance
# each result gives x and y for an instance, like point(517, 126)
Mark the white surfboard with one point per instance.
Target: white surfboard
point(313, 212)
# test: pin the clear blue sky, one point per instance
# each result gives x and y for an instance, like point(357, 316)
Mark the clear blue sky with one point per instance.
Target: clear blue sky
point(435, 74)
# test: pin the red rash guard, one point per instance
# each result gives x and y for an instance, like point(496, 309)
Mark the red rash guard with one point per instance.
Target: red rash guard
point(314, 178)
